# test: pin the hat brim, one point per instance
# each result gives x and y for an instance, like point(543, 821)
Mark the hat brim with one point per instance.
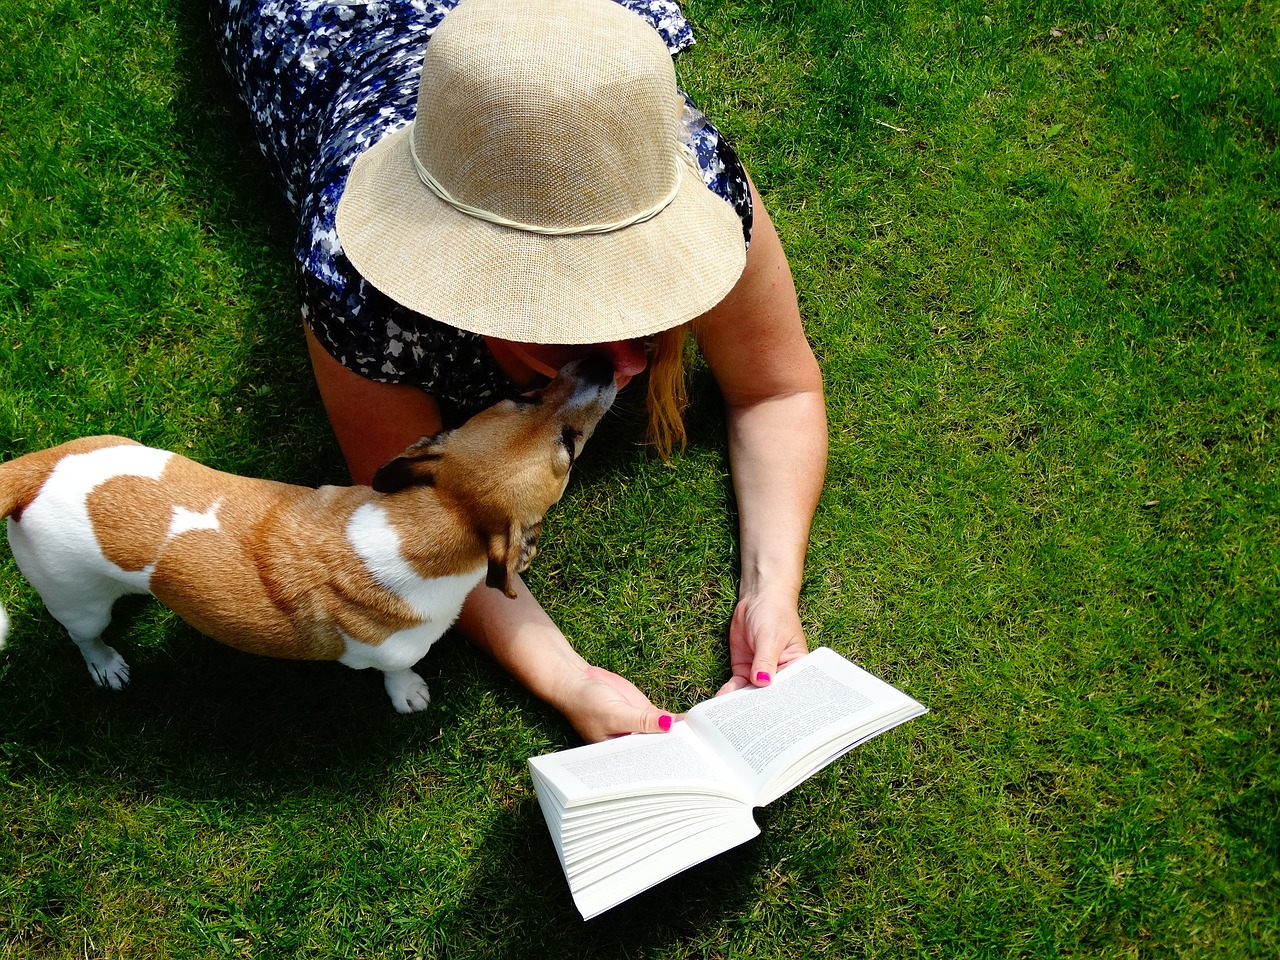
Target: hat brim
point(528, 287)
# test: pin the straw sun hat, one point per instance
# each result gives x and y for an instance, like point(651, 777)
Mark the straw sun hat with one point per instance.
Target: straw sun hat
point(543, 194)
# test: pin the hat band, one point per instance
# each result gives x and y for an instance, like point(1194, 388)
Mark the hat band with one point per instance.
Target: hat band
point(480, 213)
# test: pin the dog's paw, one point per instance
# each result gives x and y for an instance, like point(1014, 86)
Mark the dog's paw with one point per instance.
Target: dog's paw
point(407, 690)
point(107, 667)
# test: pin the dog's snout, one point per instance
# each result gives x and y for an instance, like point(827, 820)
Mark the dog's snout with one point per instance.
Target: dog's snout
point(595, 370)
point(591, 388)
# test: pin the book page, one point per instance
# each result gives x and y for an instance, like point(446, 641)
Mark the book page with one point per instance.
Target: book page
point(808, 707)
point(628, 766)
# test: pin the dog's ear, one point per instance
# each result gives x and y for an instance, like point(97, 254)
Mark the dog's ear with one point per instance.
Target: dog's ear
point(414, 466)
point(510, 553)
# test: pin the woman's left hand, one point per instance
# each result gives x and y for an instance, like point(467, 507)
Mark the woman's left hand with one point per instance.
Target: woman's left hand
point(764, 636)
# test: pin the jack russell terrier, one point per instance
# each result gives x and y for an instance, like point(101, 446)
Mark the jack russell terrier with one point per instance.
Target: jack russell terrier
point(368, 576)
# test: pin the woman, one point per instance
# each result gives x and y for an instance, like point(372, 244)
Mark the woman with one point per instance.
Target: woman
point(554, 197)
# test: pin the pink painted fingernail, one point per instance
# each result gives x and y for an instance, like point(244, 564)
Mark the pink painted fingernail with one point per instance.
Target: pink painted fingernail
point(664, 722)
point(763, 677)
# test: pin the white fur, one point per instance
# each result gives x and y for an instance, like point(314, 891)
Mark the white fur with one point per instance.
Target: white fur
point(437, 601)
point(185, 520)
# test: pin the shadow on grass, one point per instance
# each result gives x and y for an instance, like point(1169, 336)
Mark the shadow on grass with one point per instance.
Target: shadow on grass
point(256, 749)
point(279, 429)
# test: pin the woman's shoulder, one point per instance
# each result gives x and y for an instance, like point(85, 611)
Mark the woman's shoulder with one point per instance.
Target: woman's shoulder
point(667, 18)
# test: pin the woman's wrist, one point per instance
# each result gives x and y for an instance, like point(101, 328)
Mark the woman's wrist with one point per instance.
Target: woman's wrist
point(777, 579)
point(520, 636)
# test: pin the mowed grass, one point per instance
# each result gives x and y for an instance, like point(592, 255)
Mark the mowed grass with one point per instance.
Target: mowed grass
point(1036, 248)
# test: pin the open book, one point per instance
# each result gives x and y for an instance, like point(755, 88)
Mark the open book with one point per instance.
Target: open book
point(628, 813)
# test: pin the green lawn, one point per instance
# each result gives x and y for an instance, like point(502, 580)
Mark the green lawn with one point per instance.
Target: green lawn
point(1036, 244)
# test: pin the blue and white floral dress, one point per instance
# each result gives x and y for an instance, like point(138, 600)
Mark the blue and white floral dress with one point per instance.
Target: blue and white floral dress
point(324, 80)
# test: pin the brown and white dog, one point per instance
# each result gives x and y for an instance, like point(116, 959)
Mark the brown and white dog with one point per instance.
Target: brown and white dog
point(368, 576)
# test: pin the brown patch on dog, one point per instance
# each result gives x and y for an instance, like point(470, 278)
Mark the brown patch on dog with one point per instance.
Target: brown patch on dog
point(213, 584)
point(131, 517)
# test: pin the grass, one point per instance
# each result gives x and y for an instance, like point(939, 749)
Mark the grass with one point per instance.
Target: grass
point(1036, 247)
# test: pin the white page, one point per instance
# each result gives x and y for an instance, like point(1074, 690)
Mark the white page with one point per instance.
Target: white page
point(788, 775)
point(641, 764)
point(583, 788)
point(593, 898)
point(581, 832)
point(762, 732)
point(685, 830)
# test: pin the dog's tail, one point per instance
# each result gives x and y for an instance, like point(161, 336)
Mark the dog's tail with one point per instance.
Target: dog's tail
point(13, 497)
point(20, 481)
point(22, 477)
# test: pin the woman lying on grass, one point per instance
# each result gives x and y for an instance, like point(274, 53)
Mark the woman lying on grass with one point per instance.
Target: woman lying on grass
point(487, 195)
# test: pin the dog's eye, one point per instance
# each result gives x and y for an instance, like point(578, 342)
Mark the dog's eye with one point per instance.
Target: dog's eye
point(570, 437)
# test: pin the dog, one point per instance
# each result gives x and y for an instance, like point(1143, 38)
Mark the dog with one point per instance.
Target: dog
point(368, 576)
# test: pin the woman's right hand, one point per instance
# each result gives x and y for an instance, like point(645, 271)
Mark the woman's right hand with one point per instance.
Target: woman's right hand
point(601, 704)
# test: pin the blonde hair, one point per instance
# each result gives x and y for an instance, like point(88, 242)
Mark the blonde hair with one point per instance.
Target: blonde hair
point(668, 393)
